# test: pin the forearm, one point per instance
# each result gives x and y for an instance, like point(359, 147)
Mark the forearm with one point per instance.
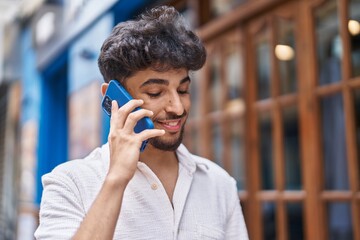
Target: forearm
point(124, 145)
point(101, 219)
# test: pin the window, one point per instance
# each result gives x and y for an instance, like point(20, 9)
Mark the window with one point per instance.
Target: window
point(292, 139)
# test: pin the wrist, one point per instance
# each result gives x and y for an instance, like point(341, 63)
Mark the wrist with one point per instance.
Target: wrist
point(116, 182)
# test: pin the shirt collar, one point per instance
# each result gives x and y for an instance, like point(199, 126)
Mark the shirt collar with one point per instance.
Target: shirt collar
point(185, 158)
point(190, 161)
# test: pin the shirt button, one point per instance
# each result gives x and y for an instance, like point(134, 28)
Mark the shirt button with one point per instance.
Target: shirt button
point(154, 186)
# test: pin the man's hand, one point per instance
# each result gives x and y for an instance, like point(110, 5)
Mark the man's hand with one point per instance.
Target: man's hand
point(124, 143)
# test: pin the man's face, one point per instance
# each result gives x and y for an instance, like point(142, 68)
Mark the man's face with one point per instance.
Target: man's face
point(167, 95)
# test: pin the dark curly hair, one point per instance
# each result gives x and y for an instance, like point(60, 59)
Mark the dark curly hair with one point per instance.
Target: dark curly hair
point(157, 39)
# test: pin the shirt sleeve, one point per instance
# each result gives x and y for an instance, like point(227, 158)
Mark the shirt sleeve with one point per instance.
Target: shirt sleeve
point(61, 211)
point(236, 228)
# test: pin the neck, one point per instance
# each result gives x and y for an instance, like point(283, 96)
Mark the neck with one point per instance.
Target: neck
point(164, 165)
point(157, 159)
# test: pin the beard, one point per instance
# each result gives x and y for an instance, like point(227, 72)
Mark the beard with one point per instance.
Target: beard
point(167, 145)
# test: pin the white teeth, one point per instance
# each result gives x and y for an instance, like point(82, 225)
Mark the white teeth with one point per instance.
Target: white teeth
point(172, 123)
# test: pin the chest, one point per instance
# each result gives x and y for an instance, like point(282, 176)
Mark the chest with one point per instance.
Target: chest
point(147, 213)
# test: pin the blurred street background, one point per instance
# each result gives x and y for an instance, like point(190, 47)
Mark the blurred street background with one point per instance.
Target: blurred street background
point(277, 105)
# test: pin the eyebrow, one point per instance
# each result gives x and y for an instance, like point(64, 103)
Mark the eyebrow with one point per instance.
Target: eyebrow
point(162, 81)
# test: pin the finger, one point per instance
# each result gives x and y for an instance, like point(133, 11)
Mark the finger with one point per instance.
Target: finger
point(114, 112)
point(114, 106)
point(150, 133)
point(130, 106)
point(134, 117)
point(119, 115)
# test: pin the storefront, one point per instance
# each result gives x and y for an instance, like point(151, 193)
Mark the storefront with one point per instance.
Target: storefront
point(61, 114)
point(277, 105)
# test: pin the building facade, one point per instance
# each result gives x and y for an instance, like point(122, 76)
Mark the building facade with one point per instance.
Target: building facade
point(278, 107)
point(277, 104)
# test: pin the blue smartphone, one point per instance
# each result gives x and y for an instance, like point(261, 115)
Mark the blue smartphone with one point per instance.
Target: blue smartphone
point(116, 91)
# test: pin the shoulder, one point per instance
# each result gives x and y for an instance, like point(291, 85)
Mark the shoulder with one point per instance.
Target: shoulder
point(206, 168)
point(212, 169)
point(210, 182)
point(77, 171)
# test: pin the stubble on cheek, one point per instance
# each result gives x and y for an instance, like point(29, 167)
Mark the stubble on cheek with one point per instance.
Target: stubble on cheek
point(167, 145)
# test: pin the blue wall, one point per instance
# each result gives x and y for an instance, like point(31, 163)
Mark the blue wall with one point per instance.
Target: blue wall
point(30, 79)
point(70, 71)
point(53, 131)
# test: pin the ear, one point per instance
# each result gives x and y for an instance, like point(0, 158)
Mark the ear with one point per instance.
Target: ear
point(104, 87)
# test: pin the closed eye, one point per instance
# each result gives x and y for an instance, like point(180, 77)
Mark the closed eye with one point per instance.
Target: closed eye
point(153, 95)
point(183, 91)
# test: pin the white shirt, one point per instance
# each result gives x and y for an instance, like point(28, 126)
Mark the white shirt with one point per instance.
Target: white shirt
point(205, 201)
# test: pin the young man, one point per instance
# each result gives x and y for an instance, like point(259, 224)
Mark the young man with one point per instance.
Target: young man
point(164, 192)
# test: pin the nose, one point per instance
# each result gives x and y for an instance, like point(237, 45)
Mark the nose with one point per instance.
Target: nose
point(175, 105)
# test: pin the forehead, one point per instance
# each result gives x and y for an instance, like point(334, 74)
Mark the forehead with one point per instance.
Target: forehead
point(173, 76)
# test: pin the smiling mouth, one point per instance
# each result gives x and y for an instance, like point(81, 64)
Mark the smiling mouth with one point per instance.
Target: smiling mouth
point(171, 125)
